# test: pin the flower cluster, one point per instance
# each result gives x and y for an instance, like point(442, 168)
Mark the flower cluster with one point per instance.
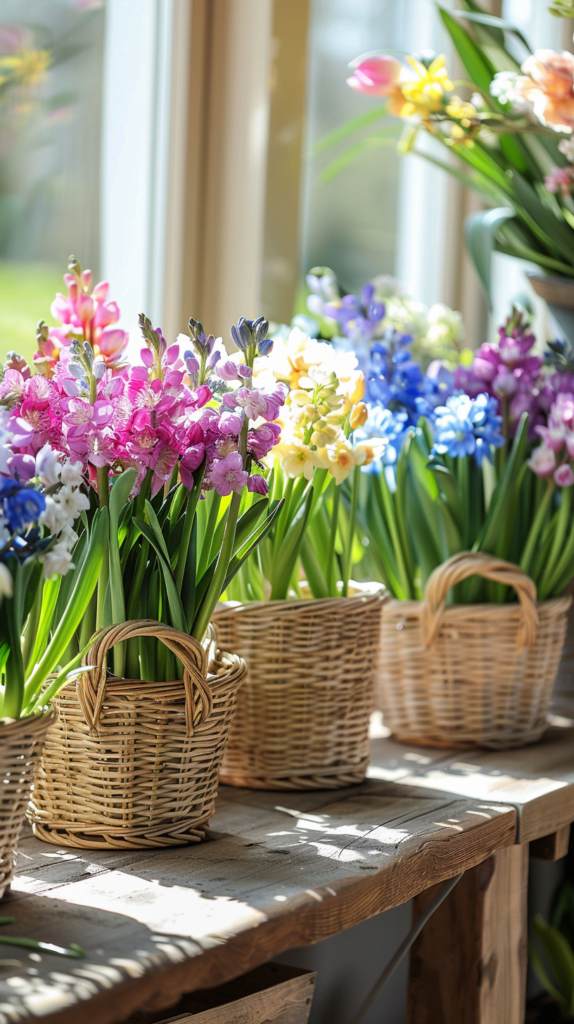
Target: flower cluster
point(467, 426)
point(544, 90)
point(436, 333)
point(422, 91)
point(555, 455)
point(171, 413)
point(86, 317)
point(509, 371)
point(40, 500)
point(520, 379)
point(323, 407)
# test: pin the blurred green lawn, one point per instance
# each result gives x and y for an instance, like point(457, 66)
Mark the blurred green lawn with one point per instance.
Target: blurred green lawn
point(26, 294)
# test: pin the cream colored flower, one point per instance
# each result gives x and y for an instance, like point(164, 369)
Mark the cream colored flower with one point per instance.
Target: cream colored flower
point(298, 459)
point(340, 460)
point(354, 387)
point(324, 434)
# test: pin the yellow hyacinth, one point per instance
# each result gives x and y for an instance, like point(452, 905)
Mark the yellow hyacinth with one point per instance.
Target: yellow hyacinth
point(27, 67)
point(423, 90)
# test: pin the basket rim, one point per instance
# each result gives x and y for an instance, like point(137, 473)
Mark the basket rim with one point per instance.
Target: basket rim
point(556, 604)
point(369, 593)
point(30, 723)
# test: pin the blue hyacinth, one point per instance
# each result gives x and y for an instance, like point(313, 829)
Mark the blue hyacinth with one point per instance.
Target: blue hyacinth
point(467, 426)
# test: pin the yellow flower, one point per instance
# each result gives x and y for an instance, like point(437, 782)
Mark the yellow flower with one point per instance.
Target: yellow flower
point(340, 460)
point(323, 434)
point(365, 453)
point(25, 66)
point(354, 387)
point(298, 459)
point(461, 111)
point(359, 416)
point(423, 90)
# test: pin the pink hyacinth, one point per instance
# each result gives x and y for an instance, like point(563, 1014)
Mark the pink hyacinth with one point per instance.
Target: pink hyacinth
point(86, 313)
point(228, 475)
point(257, 484)
point(165, 415)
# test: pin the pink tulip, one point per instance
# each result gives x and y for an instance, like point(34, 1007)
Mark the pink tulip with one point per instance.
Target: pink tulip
point(376, 76)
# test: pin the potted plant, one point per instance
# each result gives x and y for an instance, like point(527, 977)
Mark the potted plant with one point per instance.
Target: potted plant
point(508, 123)
point(309, 634)
point(132, 757)
point(471, 511)
point(41, 562)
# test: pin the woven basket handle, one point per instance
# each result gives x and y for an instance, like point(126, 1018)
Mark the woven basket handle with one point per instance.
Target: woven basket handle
point(91, 686)
point(477, 563)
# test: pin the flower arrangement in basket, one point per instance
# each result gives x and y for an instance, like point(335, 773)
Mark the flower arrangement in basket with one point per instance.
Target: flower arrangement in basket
point(303, 715)
point(141, 732)
point(41, 500)
point(508, 123)
point(470, 507)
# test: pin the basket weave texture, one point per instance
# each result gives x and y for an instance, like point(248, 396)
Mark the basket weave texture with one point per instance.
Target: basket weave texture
point(21, 743)
point(463, 675)
point(131, 764)
point(302, 719)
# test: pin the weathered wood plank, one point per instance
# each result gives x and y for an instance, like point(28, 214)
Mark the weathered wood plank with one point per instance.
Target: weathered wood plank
point(537, 780)
point(468, 966)
point(281, 870)
point(273, 992)
point(553, 847)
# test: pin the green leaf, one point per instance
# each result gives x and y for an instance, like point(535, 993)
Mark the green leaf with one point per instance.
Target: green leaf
point(385, 138)
point(287, 556)
point(313, 572)
point(77, 605)
point(548, 227)
point(479, 232)
point(491, 21)
point(478, 66)
point(177, 614)
point(349, 128)
point(560, 958)
point(243, 552)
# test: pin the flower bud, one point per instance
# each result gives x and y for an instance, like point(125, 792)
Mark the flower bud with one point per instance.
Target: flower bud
point(359, 416)
point(299, 397)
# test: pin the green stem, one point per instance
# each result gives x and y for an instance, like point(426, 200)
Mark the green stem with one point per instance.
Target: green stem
point(348, 551)
point(331, 555)
point(564, 515)
point(103, 500)
point(216, 586)
point(391, 524)
point(31, 627)
point(530, 546)
point(193, 498)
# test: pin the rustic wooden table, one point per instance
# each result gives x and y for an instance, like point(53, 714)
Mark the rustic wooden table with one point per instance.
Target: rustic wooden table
point(287, 869)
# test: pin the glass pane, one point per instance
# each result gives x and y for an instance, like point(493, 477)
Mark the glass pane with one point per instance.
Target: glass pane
point(51, 63)
point(355, 221)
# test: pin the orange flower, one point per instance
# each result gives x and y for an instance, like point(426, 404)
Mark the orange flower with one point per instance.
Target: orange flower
point(549, 87)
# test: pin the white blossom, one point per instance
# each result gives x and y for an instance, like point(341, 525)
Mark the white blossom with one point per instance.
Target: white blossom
point(71, 474)
point(566, 146)
point(47, 466)
point(57, 561)
point(72, 502)
point(54, 517)
point(5, 581)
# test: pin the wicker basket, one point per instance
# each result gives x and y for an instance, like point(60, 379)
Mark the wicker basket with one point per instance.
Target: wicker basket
point(130, 764)
point(462, 675)
point(302, 718)
point(21, 744)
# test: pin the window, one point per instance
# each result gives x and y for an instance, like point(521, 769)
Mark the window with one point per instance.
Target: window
point(51, 63)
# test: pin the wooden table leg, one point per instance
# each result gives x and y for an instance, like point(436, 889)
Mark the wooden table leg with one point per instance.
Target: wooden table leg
point(468, 966)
